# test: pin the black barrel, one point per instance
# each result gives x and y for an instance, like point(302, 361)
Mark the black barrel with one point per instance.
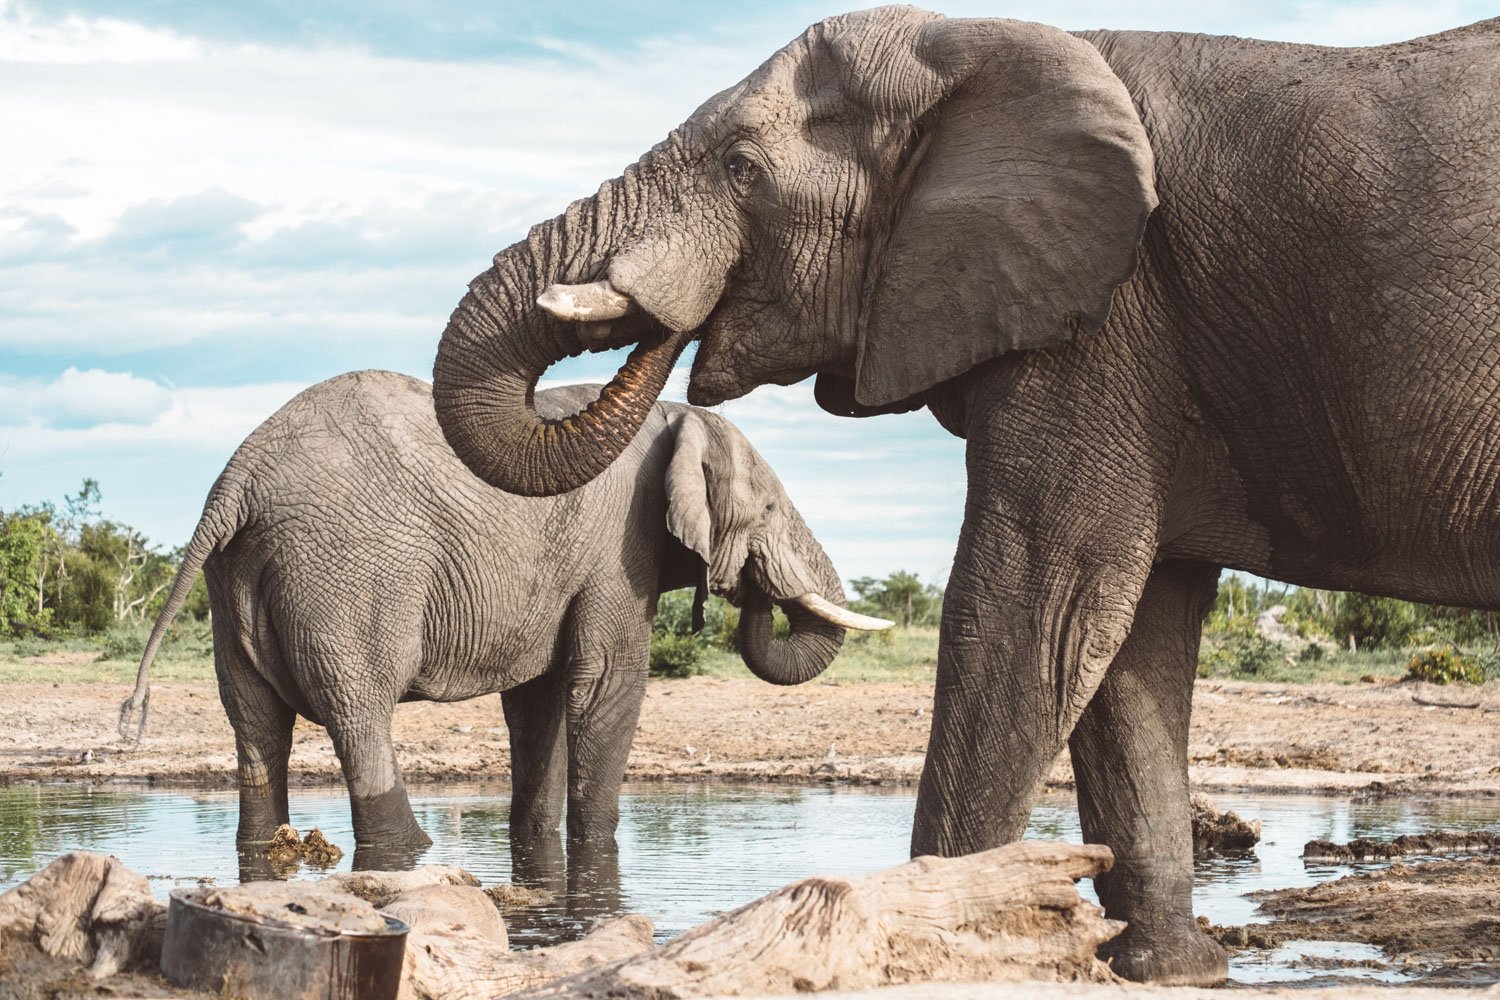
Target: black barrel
point(258, 959)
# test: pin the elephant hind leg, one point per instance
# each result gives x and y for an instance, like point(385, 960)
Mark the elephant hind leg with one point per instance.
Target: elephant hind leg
point(262, 725)
point(1130, 759)
point(535, 716)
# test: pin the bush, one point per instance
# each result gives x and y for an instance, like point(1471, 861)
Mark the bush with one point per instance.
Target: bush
point(1444, 665)
point(1241, 654)
point(1376, 622)
point(122, 644)
point(675, 655)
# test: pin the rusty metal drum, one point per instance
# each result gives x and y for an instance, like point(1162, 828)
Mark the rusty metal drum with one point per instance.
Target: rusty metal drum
point(257, 958)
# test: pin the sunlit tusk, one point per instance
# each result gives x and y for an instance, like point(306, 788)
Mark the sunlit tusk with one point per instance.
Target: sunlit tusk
point(591, 303)
point(830, 612)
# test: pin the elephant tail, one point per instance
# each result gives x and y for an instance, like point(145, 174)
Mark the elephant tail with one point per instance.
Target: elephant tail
point(223, 517)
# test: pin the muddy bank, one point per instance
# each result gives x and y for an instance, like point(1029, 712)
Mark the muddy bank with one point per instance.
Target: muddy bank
point(1372, 739)
point(1439, 920)
point(1439, 842)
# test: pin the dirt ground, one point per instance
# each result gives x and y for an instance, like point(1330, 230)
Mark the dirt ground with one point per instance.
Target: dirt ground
point(1245, 737)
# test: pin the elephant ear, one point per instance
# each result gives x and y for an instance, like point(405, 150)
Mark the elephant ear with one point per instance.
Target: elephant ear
point(688, 517)
point(1020, 208)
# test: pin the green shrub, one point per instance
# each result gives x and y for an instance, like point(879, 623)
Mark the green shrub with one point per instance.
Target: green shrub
point(1376, 622)
point(1444, 665)
point(122, 644)
point(1312, 653)
point(675, 655)
point(1241, 654)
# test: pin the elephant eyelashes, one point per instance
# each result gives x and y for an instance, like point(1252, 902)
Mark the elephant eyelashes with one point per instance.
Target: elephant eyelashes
point(743, 173)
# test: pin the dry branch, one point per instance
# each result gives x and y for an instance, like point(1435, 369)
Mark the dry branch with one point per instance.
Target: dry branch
point(1009, 914)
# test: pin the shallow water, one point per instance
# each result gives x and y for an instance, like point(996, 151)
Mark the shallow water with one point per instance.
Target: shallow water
point(686, 851)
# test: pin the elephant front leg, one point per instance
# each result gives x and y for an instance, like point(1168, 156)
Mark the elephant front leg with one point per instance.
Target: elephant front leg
point(1055, 550)
point(535, 717)
point(1130, 758)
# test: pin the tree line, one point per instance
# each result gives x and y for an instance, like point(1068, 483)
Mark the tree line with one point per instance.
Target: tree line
point(66, 569)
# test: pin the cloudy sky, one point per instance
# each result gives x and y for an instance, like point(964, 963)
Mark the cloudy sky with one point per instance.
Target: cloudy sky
point(205, 208)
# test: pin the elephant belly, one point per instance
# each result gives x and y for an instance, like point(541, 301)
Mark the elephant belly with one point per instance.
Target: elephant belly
point(454, 671)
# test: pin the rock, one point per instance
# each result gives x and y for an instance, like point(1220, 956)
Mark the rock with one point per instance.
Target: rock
point(1216, 832)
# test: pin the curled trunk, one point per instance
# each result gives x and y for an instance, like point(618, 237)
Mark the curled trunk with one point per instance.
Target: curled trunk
point(806, 651)
point(499, 342)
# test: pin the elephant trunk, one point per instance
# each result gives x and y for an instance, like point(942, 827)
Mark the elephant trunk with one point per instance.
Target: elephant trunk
point(499, 342)
point(800, 578)
point(806, 651)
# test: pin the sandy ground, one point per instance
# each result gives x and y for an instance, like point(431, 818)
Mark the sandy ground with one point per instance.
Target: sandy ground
point(1245, 737)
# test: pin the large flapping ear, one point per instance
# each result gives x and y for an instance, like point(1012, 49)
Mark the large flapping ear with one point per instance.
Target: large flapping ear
point(688, 517)
point(1026, 192)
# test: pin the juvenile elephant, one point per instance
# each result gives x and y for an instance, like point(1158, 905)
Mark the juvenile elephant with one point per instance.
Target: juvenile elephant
point(354, 562)
point(1194, 302)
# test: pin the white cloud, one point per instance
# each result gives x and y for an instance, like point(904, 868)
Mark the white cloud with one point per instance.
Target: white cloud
point(83, 398)
point(24, 38)
point(111, 412)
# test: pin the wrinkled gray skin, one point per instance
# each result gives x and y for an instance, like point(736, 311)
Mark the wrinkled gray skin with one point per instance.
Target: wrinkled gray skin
point(354, 562)
point(1194, 301)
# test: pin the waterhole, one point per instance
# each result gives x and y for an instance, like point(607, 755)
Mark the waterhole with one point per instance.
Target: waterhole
point(688, 851)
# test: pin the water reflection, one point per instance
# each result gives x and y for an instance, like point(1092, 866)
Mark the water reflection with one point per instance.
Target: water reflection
point(686, 851)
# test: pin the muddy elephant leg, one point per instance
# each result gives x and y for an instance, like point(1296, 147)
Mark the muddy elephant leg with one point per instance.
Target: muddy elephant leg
point(1056, 546)
point(535, 715)
point(377, 796)
point(262, 725)
point(1130, 758)
point(606, 683)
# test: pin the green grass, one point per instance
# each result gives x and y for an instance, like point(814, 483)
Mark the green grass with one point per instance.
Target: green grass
point(899, 654)
point(1337, 668)
point(109, 658)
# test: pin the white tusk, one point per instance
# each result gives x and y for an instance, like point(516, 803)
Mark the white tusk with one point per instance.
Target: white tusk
point(830, 612)
point(591, 303)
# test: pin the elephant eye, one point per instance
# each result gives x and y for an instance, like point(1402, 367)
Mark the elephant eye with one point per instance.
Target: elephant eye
point(742, 171)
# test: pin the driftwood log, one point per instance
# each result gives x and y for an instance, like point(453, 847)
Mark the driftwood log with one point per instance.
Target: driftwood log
point(89, 908)
point(1009, 914)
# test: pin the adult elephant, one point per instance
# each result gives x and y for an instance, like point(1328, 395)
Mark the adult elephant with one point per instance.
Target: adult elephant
point(1288, 368)
point(354, 562)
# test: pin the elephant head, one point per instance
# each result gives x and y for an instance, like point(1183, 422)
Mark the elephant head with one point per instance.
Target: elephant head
point(726, 505)
point(890, 200)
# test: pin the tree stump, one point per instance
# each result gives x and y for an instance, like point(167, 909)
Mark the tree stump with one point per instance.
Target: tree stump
point(1008, 914)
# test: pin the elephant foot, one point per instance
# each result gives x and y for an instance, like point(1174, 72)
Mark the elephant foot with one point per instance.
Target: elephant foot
point(386, 822)
point(1174, 956)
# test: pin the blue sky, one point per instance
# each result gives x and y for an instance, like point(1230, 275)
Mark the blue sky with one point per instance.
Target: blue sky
point(205, 207)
